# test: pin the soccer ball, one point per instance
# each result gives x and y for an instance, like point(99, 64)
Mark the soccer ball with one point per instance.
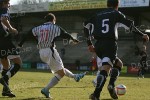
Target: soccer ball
point(120, 89)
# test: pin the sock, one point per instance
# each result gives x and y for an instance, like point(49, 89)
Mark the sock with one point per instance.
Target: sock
point(113, 76)
point(142, 71)
point(12, 71)
point(101, 79)
point(4, 73)
point(53, 82)
point(68, 73)
point(139, 71)
point(6, 80)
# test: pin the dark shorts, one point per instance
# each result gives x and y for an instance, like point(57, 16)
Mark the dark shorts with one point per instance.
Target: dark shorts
point(106, 48)
point(7, 48)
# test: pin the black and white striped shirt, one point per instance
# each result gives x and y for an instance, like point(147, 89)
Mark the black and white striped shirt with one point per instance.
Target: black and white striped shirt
point(46, 34)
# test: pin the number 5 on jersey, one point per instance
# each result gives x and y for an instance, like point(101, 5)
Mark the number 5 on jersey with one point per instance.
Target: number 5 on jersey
point(105, 25)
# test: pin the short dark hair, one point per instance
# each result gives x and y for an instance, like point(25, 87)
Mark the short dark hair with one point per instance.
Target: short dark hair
point(50, 17)
point(3, 1)
point(112, 3)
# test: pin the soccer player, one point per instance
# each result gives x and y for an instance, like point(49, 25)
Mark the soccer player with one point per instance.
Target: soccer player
point(103, 26)
point(7, 48)
point(143, 62)
point(46, 35)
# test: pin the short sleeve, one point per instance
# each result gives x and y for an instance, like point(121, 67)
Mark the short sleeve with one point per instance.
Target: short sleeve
point(4, 13)
point(34, 31)
point(123, 20)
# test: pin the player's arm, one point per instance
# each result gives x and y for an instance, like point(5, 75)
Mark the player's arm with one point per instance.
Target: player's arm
point(66, 35)
point(6, 23)
point(26, 37)
point(130, 25)
point(88, 30)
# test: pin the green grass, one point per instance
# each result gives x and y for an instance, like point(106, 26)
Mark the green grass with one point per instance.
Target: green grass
point(28, 83)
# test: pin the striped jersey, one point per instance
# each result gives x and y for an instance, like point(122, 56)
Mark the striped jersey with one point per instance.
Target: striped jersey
point(46, 35)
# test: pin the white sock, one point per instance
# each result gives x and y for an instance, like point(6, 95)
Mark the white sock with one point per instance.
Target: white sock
point(53, 82)
point(68, 73)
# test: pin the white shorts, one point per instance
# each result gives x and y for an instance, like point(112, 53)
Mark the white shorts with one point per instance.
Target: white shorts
point(13, 56)
point(99, 62)
point(52, 59)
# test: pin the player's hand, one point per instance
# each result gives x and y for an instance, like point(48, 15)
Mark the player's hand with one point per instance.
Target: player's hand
point(145, 37)
point(91, 48)
point(13, 30)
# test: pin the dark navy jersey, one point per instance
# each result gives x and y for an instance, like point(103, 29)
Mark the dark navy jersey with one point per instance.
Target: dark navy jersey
point(3, 29)
point(104, 24)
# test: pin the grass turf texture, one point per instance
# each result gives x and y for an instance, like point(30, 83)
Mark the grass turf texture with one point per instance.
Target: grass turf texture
point(27, 85)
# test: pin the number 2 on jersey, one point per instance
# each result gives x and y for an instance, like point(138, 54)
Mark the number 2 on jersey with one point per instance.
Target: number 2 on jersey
point(105, 25)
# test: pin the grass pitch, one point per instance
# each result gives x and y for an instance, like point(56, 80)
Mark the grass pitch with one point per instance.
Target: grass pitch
point(27, 85)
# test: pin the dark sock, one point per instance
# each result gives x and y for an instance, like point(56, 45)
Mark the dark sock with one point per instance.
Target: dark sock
point(3, 74)
point(6, 79)
point(101, 79)
point(12, 71)
point(113, 76)
point(139, 71)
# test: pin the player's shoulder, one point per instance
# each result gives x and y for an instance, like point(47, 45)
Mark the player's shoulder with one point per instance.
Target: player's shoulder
point(120, 13)
point(3, 10)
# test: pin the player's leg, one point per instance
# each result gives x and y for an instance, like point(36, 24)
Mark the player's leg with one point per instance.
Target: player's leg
point(139, 73)
point(107, 55)
point(6, 63)
point(6, 91)
point(53, 81)
point(143, 68)
point(11, 72)
point(17, 65)
point(143, 72)
point(115, 71)
point(99, 65)
point(76, 77)
point(52, 58)
point(95, 80)
point(101, 78)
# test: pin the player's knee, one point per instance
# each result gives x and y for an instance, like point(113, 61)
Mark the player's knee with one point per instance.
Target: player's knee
point(104, 73)
point(101, 78)
point(61, 73)
point(114, 72)
point(58, 76)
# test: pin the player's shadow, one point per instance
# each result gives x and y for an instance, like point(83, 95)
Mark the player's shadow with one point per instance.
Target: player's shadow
point(107, 99)
point(39, 98)
point(61, 87)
